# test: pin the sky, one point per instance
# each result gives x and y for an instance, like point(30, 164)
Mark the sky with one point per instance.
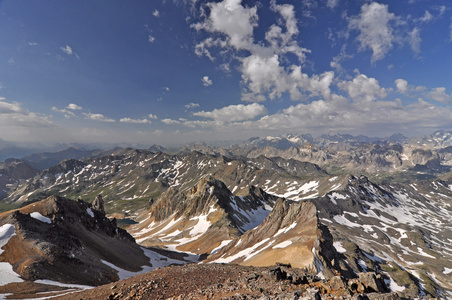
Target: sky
point(180, 71)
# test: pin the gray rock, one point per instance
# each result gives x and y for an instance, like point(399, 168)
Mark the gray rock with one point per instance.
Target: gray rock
point(98, 204)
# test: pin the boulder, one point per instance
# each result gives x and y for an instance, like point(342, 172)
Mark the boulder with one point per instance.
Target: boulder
point(372, 282)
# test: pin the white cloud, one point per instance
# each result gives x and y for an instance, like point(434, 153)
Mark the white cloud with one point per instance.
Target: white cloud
point(225, 67)
point(233, 20)
point(427, 16)
point(266, 75)
point(264, 72)
point(191, 105)
point(233, 113)
point(32, 44)
point(151, 39)
point(378, 117)
point(152, 116)
point(74, 106)
point(375, 30)
point(410, 90)
point(206, 81)
point(12, 114)
point(156, 13)
point(67, 50)
point(135, 121)
point(364, 89)
point(98, 117)
point(67, 114)
point(439, 94)
point(402, 85)
point(415, 40)
point(450, 32)
point(171, 122)
point(332, 3)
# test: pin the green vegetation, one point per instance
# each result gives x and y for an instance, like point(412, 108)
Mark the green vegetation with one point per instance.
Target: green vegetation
point(7, 206)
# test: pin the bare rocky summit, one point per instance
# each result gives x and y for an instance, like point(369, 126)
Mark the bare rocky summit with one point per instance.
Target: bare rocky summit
point(228, 281)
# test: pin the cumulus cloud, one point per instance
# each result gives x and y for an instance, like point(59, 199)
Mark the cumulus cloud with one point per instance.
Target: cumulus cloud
point(171, 122)
point(191, 105)
point(135, 121)
point(12, 114)
point(234, 113)
point(439, 94)
point(363, 89)
point(67, 50)
point(264, 71)
point(378, 117)
point(151, 39)
point(206, 81)
point(402, 85)
point(375, 29)
point(98, 117)
point(156, 13)
point(266, 75)
point(412, 91)
point(74, 106)
point(67, 113)
point(233, 20)
point(152, 116)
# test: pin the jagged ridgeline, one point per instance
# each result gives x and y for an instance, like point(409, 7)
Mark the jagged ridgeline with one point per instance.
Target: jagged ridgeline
point(252, 211)
point(129, 178)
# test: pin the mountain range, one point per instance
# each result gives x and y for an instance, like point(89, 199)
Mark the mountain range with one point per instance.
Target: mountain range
point(335, 206)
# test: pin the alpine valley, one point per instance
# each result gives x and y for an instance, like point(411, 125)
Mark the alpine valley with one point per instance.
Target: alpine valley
point(287, 217)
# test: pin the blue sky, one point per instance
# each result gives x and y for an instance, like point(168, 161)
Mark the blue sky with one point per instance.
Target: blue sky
point(172, 72)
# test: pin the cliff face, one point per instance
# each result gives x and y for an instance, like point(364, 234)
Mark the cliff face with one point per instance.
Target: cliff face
point(290, 234)
point(203, 219)
point(59, 239)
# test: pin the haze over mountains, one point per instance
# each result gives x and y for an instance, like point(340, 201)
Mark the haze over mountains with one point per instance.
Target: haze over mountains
point(336, 206)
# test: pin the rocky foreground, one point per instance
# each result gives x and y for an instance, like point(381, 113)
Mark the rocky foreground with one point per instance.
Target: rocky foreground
point(221, 281)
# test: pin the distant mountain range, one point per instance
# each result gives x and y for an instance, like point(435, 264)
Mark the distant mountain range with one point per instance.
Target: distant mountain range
point(285, 200)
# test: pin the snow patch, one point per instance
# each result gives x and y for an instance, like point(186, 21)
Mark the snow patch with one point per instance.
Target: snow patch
point(393, 285)
point(66, 285)
point(6, 232)
point(282, 245)
point(90, 212)
point(36, 215)
point(7, 274)
point(223, 244)
point(339, 247)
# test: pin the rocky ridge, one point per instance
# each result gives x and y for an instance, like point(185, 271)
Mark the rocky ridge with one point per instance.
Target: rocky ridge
point(203, 219)
point(140, 175)
point(58, 240)
point(220, 281)
point(399, 232)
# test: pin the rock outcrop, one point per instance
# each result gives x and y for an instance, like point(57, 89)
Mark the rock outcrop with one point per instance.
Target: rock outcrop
point(98, 204)
point(60, 239)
